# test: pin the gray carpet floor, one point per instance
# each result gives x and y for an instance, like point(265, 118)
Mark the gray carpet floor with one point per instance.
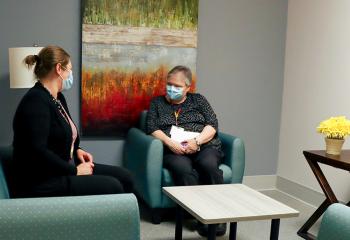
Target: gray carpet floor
point(250, 230)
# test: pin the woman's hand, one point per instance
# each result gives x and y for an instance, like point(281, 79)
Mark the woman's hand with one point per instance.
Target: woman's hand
point(84, 156)
point(176, 147)
point(191, 146)
point(84, 169)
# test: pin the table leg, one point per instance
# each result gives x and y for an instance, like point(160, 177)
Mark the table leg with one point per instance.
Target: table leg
point(316, 215)
point(326, 188)
point(179, 219)
point(275, 227)
point(212, 231)
point(233, 231)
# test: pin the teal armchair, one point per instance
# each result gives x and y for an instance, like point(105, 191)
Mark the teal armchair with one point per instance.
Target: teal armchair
point(143, 156)
point(107, 217)
point(335, 223)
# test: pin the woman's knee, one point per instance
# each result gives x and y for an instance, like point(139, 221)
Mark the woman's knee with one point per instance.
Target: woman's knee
point(111, 185)
point(208, 165)
point(128, 182)
point(179, 167)
point(94, 185)
point(125, 177)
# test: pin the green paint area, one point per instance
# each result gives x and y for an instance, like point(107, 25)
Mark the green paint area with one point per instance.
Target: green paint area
point(166, 14)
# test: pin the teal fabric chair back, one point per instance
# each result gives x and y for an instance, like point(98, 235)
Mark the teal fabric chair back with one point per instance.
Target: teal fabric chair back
point(4, 193)
point(335, 223)
point(234, 160)
point(142, 122)
point(5, 158)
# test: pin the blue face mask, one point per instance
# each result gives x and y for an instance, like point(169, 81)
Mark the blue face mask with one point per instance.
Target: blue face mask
point(174, 93)
point(68, 83)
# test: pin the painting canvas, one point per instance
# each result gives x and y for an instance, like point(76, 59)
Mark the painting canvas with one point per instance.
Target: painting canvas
point(128, 46)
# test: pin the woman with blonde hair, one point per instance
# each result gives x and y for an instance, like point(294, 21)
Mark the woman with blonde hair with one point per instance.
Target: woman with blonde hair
point(47, 158)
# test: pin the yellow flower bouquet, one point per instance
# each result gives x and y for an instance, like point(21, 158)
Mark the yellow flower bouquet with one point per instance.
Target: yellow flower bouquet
point(335, 129)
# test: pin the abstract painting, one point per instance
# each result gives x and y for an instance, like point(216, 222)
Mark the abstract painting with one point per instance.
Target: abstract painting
point(128, 46)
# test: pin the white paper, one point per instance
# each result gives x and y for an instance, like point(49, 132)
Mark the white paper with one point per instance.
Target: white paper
point(179, 134)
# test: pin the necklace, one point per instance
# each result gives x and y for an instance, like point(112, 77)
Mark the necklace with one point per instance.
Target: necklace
point(57, 103)
point(60, 108)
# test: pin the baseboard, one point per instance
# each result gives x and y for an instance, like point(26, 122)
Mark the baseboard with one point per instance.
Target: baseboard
point(260, 182)
point(299, 191)
point(295, 190)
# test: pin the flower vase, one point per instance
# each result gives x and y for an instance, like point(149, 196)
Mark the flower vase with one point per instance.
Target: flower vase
point(334, 146)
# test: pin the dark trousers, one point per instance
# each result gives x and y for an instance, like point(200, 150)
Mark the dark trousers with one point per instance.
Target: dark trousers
point(193, 169)
point(105, 180)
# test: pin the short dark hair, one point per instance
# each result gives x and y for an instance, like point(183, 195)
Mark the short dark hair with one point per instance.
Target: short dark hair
point(185, 71)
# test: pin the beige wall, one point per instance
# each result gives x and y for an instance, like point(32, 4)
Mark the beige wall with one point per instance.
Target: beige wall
point(316, 86)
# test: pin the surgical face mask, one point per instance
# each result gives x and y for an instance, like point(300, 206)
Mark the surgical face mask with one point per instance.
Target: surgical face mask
point(68, 83)
point(174, 93)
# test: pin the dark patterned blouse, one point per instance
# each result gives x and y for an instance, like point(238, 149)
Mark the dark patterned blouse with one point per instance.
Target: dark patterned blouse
point(194, 114)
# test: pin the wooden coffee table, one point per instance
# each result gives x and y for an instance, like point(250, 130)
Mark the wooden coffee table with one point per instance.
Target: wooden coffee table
point(214, 204)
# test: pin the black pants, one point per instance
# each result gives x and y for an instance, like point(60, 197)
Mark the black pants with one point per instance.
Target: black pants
point(105, 180)
point(193, 169)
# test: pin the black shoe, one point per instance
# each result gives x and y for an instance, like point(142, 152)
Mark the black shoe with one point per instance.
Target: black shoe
point(202, 229)
point(221, 229)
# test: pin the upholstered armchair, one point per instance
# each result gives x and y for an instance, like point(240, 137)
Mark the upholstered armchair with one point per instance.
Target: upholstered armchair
point(335, 223)
point(143, 156)
point(114, 216)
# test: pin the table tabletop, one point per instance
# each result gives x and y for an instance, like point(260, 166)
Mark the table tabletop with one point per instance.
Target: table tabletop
point(339, 161)
point(227, 203)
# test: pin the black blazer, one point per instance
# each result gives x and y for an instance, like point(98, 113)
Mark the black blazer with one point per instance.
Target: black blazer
point(42, 138)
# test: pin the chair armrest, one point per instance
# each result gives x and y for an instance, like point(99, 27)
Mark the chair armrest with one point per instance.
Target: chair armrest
point(335, 223)
point(6, 153)
point(5, 161)
point(4, 194)
point(143, 156)
point(105, 217)
point(234, 151)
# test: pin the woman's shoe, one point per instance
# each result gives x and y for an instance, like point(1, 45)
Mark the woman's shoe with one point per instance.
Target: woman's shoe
point(202, 229)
